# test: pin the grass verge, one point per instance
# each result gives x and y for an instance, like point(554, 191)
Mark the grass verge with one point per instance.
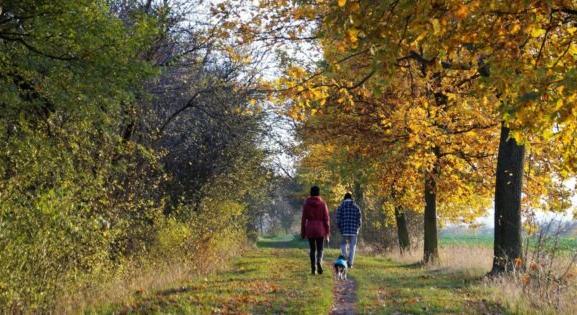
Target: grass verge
point(387, 287)
point(271, 279)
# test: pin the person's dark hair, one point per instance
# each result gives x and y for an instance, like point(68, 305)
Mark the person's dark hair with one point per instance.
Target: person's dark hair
point(348, 196)
point(315, 191)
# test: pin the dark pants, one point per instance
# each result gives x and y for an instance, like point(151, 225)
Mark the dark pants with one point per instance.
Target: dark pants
point(316, 251)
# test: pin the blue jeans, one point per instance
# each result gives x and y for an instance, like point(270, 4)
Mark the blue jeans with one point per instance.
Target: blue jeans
point(351, 240)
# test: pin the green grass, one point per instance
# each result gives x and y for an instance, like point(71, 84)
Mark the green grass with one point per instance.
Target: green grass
point(271, 279)
point(387, 287)
point(284, 241)
point(486, 240)
point(564, 243)
point(274, 278)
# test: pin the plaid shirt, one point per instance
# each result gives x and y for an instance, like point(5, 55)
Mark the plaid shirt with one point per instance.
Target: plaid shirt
point(348, 217)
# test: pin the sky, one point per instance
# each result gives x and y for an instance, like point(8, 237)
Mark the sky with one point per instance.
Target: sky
point(568, 215)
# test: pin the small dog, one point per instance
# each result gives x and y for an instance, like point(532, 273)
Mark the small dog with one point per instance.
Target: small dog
point(341, 268)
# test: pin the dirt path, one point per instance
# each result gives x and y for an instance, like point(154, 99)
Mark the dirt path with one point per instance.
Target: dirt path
point(345, 297)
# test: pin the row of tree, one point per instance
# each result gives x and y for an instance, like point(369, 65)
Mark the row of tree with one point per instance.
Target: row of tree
point(433, 105)
point(127, 131)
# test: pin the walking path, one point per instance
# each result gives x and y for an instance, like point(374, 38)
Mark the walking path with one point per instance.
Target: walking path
point(345, 297)
point(274, 279)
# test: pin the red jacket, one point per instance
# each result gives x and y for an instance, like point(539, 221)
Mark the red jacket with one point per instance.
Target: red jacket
point(315, 222)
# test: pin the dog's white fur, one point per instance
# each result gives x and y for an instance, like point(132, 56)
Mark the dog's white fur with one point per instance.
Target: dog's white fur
point(341, 273)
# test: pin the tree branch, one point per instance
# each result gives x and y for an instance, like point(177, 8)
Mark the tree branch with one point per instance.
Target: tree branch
point(191, 103)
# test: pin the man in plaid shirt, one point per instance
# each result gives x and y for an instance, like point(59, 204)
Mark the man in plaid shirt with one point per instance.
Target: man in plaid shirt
point(349, 222)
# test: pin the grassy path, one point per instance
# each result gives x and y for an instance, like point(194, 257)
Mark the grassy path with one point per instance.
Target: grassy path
point(275, 279)
point(345, 297)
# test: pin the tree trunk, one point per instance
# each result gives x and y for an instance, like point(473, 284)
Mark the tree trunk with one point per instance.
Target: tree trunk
point(431, 251)
point(261, 219)
point(359, 198)
point(358, 194)
point(402, 230)
point(507, 246)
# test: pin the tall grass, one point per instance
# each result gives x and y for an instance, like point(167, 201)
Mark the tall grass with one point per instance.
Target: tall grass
point(529, 291)
point(168, 265)
point(455, 258)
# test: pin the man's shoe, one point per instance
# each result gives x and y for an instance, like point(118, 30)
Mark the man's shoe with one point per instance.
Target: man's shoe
point(349, 265)
point(320, 269)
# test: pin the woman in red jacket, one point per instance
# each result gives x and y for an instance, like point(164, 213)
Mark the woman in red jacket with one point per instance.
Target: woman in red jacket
point(315, 225)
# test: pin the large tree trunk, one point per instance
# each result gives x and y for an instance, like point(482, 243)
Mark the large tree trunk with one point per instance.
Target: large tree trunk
point(402, 230)
point(431, 250)
point(507, 246)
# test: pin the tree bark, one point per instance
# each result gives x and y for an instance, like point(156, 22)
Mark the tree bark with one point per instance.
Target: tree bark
point(359, 198)
point(402, 230)
point(508, 188)
point(359, 194)
point(431, 250)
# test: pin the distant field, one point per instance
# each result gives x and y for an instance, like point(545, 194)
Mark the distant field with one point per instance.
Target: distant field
point(466, 240)
point(486, 240)
point(447, 239)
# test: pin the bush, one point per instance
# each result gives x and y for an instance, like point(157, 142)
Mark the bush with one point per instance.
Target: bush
point(63, 212)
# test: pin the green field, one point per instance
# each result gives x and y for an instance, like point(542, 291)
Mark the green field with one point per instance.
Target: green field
point(486, 240)
point(466, 240)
